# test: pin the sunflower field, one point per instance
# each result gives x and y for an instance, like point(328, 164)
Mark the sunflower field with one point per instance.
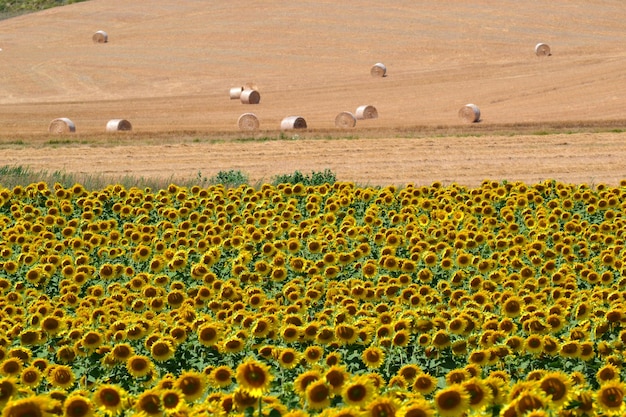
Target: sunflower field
point(507, 299)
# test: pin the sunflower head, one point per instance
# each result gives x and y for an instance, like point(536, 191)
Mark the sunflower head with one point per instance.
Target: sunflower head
point(254, 377)
point(452, 401)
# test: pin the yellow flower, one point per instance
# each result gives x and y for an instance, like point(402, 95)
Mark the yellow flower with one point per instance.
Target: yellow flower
point(77, 405)
point(192, 384)
point(31, 406)
point(110, 398)
point(254, 377)
point(359, 391)
point(452, 401)
point(149, 403)
point(558, 386)
point(479, 392)
point(610, 398)
point(61, 376)
point(303, 380)
point(373, 357)
point(318, 395)
point(221, 377)
point(139, 365)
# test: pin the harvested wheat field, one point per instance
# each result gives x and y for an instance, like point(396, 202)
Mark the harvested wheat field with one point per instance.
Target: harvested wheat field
point(168, 68)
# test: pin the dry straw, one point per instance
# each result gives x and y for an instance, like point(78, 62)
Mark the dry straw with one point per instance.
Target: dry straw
point(100, 37)
point(250, 97)
point(248, 122)
point(118, 125)
point(345, 120)
point(366, 112)
point(61, 125)
point(470, 113)
point(293, 122)
point(541, 49)
point(378, 70)
point(235, 93)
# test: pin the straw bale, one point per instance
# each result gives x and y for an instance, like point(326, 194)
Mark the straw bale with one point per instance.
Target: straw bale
point(235, 93)
point(250, 97)
point(61, 125)
point(248, 121)
point(366, 112)
point(118, 125)
point(345, 120)
point(378, 70)
point(541, 49)
point(100, 37)
point(293, 122)
point(470, 113)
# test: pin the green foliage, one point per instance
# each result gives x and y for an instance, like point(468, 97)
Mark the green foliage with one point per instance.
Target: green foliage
point(315, 178)
point(25, 6)
point(230, 179)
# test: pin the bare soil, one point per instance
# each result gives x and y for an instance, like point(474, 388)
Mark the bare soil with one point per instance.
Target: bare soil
point(168, 68)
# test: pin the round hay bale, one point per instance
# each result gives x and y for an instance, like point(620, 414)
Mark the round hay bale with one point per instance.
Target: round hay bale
point(61, 125)
point(250, 97)
point(293, 122)
point(378, 70)
point(345, 120)
point(248, 122)
point(366, 112)
point(541, 49)
point(235, 93)
point(100, 37)
point(118, 125)
point(470, 113)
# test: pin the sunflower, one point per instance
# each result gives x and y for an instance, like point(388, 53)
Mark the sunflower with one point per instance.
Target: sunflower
point(558, 386)
point(608, 372)
point(77, 405)
point(31, 376)
point(209, 334)
point(288, 358)
point(11, 367)
point(121, 352)
point(452, 401)
point(424, 383)
point(233, 344)
point(318, 395)
point(221, 376)
point(534, 344)
point(480, 394)
point(336, 376)
point(358, 391)
point(172, 400)
point(61, 376)
point(304, 379)
point(513, 306)
point(8, 388)
point(139, 365)
point(39, 406)
point(162, 350)
point(416, 407)
point(373, 357)
point(110, 398)
point(497, 386)
point(346, 334)
point(456, 376)
point(192, 384)
point(242, 400)
point(383, 406)
point(254, 377)
point(313, 354)
point(531, 399)
point(149, 403)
